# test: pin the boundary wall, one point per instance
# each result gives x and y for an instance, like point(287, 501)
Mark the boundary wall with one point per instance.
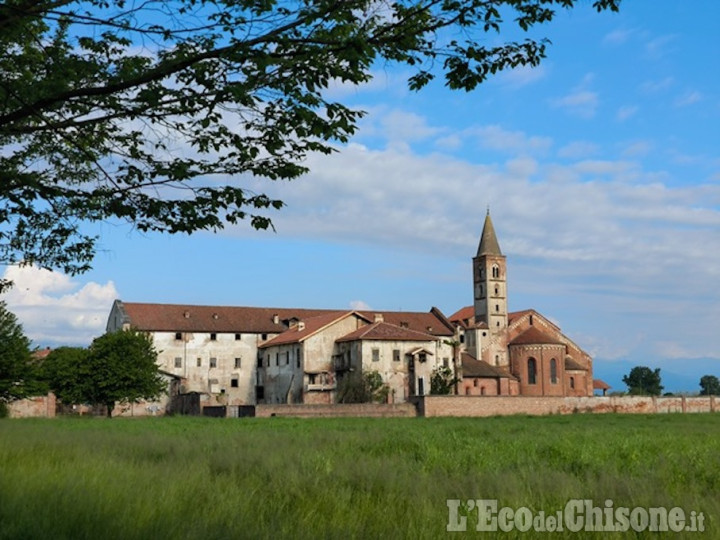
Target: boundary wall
point(506, 405)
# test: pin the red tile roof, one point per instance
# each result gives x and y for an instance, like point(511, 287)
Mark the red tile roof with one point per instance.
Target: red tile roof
point(382, 331)
point(533, 336)
point(573, 365)
point(427, 322)
point(599, 384)
point(309, 327)
point(260, 320)
point(189, 318)
point(472, 367)
point(462, 314)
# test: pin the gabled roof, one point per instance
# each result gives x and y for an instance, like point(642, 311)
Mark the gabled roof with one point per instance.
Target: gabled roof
point(258, 320)
point(533, 336)
point(463, 314)
point(431, 322)
point(472, 367)
point(189, 318)
point(382, 331)
point(488, 240)
point(309, 327)
point(573, 365)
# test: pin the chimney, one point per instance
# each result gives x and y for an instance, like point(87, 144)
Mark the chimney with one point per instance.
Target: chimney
point(300, 326)
point(276, 318)
point(379, 317)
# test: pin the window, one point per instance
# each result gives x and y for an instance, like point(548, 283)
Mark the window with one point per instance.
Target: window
point(422, 357)
point(475, 382)
point(263, 336)
point(199, 362)
point(311, 378)
point(213, 362)
point(376, 355)
point(287, 358)
point(267, 360)
point(497, 290)
point(462, 338)
point(553, 371)
point(259, 362)
point(178, 361)
point(482, 391)
point(234, 382)
point(238, 363)
point(495, 272)
point(532, 371)
point(238, 337)
point(497, 359)
point(497, 308)
point(277, 358)
point(446, 362)
point(178, 335)
point(396, 355)
point(572, 382)
point(531, 321)
point(213, 337)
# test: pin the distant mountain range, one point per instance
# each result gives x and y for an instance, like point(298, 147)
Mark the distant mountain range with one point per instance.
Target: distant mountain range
point(676, 375)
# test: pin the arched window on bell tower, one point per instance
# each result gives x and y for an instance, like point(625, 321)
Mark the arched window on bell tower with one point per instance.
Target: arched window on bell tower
point(495, 271)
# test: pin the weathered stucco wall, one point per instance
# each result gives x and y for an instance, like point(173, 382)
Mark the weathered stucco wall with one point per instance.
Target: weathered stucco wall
point(35, 407)
point(507, 405)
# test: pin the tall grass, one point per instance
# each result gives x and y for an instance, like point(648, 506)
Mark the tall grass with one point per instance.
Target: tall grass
point(340, 478)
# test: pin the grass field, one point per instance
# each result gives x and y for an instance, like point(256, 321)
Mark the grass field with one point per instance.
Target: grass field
point(179, 478)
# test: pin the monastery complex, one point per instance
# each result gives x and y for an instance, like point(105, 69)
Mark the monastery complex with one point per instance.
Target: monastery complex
point(256, 355)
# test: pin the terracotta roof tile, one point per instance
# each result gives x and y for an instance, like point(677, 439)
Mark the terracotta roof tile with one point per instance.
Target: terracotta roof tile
point(382, 331)
point(310, 326)
point(472, 367)
point(574, 365)
point(533, 336)
point(599, 384)
point(426, 322)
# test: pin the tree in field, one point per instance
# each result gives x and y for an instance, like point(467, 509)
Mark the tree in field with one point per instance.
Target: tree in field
point(643, 381)
point(68, 373)
point(16, 370)
point(442, 381)
point(118, 367)
point(158, 112)
point(366, 388)
point(709, 385)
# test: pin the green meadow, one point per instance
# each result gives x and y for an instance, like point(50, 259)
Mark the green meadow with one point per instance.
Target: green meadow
point(179, 477)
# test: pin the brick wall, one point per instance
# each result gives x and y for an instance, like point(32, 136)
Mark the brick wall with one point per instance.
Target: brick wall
point(343, 409)
point(506, 405)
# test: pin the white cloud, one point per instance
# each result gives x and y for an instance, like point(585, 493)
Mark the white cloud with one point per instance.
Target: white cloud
point(522, 76)
point(637, 149)
point(54, 309)
point(359, 305)
point(581, 103)
point(625, 112)
point(495, 137)
point(688, 98)
point(578, 150)
point(617, 37)
point(658, 47)
point(651, 87)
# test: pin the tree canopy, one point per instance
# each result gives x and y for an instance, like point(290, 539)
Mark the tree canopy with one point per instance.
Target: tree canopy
point(709, 385)
point(17, 378)
point(118, 367)
point(157, 112)
point(643, 381)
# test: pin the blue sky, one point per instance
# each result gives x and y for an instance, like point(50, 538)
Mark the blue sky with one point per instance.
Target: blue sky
point(601, 168)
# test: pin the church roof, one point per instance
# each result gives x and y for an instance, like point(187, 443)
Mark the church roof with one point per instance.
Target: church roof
point(488, 241)
point(472, 367)
point(382, 331)
point(533, 336)
point(573, 365)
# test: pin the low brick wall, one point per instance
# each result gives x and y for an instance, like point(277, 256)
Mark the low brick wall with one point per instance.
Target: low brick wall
point(506, 405)
point(322, 410)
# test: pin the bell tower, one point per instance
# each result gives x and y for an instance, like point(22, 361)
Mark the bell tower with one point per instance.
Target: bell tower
point(490, 291)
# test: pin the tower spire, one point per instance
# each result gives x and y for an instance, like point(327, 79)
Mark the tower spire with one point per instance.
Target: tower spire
point(488, 240)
